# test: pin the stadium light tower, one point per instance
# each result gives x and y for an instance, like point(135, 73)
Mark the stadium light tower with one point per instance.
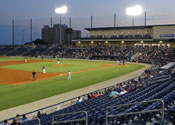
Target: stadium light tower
point(134, 11)
point(61, 10)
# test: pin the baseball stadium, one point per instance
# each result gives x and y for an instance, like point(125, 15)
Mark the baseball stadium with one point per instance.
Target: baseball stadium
point(119, 75)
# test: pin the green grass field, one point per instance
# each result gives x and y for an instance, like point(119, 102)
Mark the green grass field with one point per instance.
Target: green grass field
point(15, 95)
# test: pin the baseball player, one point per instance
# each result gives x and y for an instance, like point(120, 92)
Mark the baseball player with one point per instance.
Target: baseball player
point(58, 61)
point(44, 69)
point(69, 75)
point(25, 60)
point(34, 75)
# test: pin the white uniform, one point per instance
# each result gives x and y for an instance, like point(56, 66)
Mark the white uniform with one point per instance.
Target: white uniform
point(69, 75)
point(58, 61)
point(44, 69)
point(25, 60)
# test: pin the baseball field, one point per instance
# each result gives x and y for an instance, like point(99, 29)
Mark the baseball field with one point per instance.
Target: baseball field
point(17, 86)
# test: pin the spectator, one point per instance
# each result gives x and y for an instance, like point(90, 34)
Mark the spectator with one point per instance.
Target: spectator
point(79, 100)
point(5, 122)
point(96, 94)
point(39, 115)
point(14, 122)
point(44, 113)
point(119, 89)
point(24, 118)
point(18, 118)
point(133, 88)
point(123, 92)
point(85, 98)
point(91, 96)
point(113, 93)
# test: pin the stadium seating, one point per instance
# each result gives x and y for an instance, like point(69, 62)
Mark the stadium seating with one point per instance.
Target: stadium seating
point(160, 87)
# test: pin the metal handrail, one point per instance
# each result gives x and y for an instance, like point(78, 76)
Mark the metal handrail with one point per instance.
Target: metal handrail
point(141, 112)
point(71, 113)
point(39, 121)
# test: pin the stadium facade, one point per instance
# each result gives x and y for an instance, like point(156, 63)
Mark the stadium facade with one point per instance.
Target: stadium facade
point(150, 35)
point(51, 35)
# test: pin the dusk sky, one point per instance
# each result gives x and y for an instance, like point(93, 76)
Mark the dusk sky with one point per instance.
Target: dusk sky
point(158, 12)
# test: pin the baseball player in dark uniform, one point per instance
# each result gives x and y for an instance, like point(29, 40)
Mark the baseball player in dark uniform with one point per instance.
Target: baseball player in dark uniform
point(34, 75)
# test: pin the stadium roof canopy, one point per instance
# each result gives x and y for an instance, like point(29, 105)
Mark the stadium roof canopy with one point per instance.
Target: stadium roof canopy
point(126, 27)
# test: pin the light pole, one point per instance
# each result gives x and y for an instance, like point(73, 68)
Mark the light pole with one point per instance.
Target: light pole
point(61, 10)
point(134, 11)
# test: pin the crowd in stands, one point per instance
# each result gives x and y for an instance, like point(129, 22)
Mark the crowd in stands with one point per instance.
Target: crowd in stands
point(157, 55)
point(17, 121)
point(146, 54)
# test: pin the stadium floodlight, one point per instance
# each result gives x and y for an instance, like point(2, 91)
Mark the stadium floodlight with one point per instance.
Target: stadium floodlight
point(134, 11)
point(61, 10)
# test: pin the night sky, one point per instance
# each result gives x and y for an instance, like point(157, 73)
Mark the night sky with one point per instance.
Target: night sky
point(158, 12)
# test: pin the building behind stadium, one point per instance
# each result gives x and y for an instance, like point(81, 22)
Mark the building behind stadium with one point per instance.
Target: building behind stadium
point(51, 35)
point(150, 35)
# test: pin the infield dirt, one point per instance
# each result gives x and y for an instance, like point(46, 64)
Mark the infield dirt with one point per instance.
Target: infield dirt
point(17, 77)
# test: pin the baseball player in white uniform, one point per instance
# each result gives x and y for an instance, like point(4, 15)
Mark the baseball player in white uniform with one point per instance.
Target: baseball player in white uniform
point(69, 75)
point(44, 69)
point(25, 60)
point(58, 61)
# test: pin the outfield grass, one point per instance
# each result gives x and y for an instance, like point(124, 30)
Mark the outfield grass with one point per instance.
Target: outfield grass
point(14, 95)
point(70, 65)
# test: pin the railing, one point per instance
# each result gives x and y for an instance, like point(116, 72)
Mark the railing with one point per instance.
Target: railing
point(133, 113)
point(39, 121)
point(72, 113)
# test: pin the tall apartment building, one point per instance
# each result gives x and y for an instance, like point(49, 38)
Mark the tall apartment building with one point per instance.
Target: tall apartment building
point(52, 35)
